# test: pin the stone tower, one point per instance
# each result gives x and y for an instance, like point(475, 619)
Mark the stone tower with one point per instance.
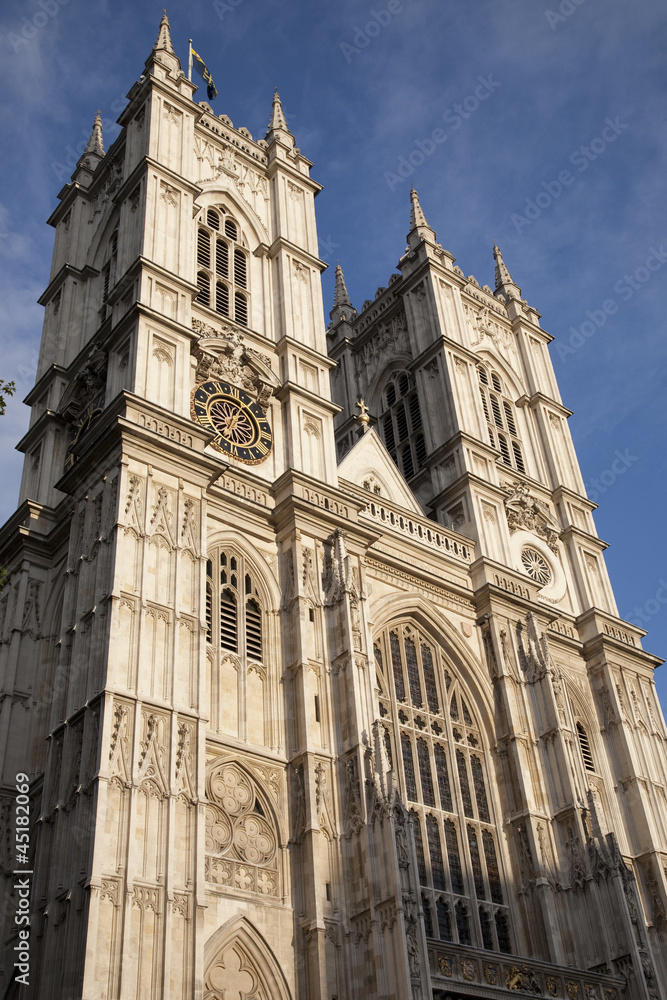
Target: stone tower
point(317, 698)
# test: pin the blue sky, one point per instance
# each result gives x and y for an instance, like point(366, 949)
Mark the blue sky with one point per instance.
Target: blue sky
point(562, 162)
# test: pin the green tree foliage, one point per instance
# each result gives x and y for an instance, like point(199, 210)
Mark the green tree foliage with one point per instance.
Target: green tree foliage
point(6, 389)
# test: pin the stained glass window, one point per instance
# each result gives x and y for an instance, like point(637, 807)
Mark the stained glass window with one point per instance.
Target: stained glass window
point(428, 793)
point(444, 920)
point(462, 923)
point(476, 862)
point(419, 847)
point(465, 785)
point(435, 850)
point(487, 934)
point(428, 919)
point(443, 778)
point(492, 867)
point(503, 932)
point(429, 678)
point(435, 725)
point(409, 767)
point(396, 664)
point(453, 857)
point(413, 673)
point(480, 789)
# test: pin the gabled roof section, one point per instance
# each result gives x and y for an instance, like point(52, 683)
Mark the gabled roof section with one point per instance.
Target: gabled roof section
point(369, 462)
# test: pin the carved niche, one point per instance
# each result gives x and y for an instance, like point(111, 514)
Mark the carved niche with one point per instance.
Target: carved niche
point(84, 400)
point(525, 512)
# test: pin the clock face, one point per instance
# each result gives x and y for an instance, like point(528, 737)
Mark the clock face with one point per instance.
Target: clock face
point(241, 429)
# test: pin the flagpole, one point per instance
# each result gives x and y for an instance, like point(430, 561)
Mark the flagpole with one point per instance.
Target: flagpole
point(190, 60)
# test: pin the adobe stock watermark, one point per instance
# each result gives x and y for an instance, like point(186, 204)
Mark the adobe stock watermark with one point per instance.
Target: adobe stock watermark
point(641, 616)
point(625, 287)
point(565, 9)
point(31, 26)
point(581, 158)
point(454, 116)
point(606, 479)
point(223, 7)
point(63, 171)
point(377, 21)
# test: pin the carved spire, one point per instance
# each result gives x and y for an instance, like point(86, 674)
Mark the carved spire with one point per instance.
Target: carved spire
point(342, 307)
point(341, 298)
point(504, 281)
point(277, 120)
point(95, 143)
point(419, 227)
point(417, 217)
point(164, 36)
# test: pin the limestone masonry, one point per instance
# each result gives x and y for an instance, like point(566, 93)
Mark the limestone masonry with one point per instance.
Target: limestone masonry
point(308, 650)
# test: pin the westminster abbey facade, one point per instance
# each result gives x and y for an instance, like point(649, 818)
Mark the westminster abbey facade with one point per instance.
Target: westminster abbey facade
point(307, 644)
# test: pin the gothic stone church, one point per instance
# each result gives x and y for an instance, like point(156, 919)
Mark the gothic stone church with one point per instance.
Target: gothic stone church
point(307, 644)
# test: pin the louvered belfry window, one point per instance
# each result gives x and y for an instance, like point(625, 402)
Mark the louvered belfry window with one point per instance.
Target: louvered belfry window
point(234, 609)
point(222, 266)
point(428, 714)
point(500, 418)
point(401, 424)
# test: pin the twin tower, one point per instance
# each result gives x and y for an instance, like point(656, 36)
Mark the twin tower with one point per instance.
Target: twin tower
point(308, 651)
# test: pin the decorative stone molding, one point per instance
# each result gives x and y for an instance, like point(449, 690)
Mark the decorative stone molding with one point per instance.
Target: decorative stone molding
point(222, 354)
point(524, 511)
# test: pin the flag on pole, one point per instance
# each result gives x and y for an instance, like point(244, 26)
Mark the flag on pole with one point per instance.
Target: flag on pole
point(204, 73)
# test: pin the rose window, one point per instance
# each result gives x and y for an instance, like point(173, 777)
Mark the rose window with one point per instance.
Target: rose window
point(536, 566)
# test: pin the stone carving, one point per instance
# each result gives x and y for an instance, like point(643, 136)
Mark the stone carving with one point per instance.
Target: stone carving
point(119, 759)
point(134, 507)
point(161, 520)
point(520, 978)
point(31, 623)
point(84, 399)
point(222, 354)
point(151, 767)
point(525, 512)
point(354, 817)
point(492, 973)
point(189, 526)
point(533, 647)
point(300, 804)
point(388, 340)
point(241, 844)
point(410, 909)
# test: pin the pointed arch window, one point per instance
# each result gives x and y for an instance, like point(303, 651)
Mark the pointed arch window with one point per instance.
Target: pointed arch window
point(428, 713)
point(401, 423)
point(222, 266)
point(500, 418)
point(231, 589)
point(444, 920)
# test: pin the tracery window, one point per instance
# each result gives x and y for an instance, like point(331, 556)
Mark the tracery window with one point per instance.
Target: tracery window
point(222, 266)
point(443, 771)
point(500, 418)
point(236, 622)
point(401, 423)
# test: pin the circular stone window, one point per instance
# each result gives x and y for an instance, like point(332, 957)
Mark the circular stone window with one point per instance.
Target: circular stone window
point(536, 567)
